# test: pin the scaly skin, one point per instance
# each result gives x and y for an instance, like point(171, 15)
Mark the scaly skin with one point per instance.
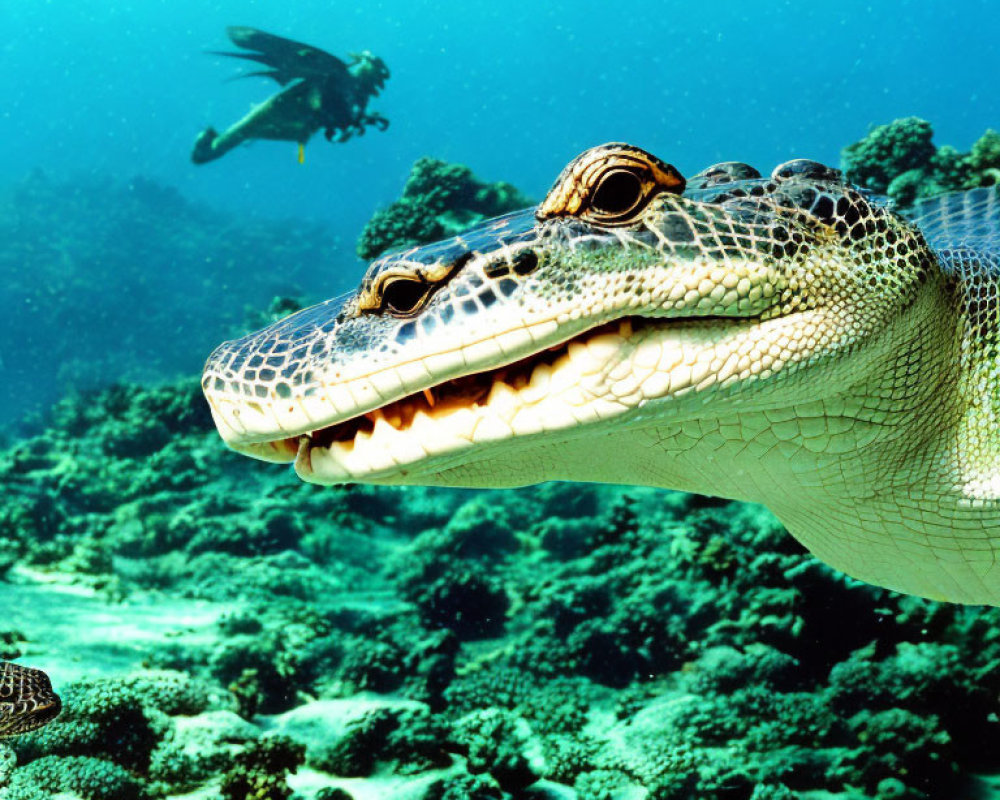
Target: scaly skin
point(27, 701)
point(787, 341)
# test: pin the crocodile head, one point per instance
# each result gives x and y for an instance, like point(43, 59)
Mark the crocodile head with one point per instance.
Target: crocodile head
point(786, 340)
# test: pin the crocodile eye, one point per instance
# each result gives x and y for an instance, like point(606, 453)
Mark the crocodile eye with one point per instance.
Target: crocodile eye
point(617, 193)
point(403, 297)
point(609, 185)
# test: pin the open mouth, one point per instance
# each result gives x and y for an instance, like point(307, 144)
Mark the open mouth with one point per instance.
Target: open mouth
point(498, 393)
point(597, 375)
point(471, 391)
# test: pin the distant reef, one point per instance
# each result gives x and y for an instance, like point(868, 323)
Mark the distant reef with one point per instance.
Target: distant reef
point(600, 641)
point(439, 200)
point(106, 279)
point(899, 159)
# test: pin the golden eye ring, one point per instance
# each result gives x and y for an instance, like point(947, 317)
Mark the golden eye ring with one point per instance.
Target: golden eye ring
point(404, 288)
point(609, 185)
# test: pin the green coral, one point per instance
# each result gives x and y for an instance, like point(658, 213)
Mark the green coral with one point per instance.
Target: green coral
point(464, 787)
point(501, 744)
point(904, 745)
point(984, 159)
point(444, 576)
point(408, 740)
point(8, 761)
point(900, 159)
point(200, 749)
point(355, 754)
point(260, 771)
point(169, 692)
point(602, 784)
point(329, 793)
point(887, 151)
point(126, 720)
point(100, 717)
point(86, 777)
point(439, 200)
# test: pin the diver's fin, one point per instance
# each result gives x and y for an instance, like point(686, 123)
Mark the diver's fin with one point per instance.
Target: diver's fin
point(286, 58)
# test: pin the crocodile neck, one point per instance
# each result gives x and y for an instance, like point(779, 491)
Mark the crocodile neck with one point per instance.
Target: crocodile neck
point(858, 497)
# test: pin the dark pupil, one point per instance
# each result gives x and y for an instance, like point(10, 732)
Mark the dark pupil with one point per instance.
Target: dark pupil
point(617, 193)
point(403, 296)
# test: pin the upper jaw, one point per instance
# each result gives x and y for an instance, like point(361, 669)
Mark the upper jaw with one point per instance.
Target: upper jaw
point(597, 382)
point(522, 398)
point(272, 433)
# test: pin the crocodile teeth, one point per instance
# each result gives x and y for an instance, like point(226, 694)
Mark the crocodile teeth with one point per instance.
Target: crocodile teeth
point(503, 400)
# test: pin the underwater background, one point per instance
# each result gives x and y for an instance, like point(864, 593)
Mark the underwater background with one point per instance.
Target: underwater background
point(218, 629)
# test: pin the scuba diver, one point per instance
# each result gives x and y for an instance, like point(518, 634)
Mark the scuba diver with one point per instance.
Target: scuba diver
point(320, 92)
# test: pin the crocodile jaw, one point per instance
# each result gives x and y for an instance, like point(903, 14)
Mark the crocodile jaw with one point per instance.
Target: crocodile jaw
point(629, 373)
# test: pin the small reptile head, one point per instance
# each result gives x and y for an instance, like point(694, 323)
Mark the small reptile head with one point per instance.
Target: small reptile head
point(27, 701)
point(629, 295)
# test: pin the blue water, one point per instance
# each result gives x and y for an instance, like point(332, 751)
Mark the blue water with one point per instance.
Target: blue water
point(515, 89)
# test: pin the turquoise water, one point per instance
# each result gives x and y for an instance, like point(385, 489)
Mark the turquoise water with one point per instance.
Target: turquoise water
point(513, 89)
point(217, 628)
point(106, 92)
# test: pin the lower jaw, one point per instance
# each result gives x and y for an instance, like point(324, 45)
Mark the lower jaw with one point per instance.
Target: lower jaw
point(279, 451)
point(570, 391)
point(479, 405)
point(400, 457)
point(390, 456)
point(453, 463)
point(320, 465)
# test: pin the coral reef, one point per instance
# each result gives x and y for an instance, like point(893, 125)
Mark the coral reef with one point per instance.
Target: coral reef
point(115, 740)
point(409, 740)
point(260, 771)
point(899, 159)
point(439, 200)
point(657, 642)
point(89, 778)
